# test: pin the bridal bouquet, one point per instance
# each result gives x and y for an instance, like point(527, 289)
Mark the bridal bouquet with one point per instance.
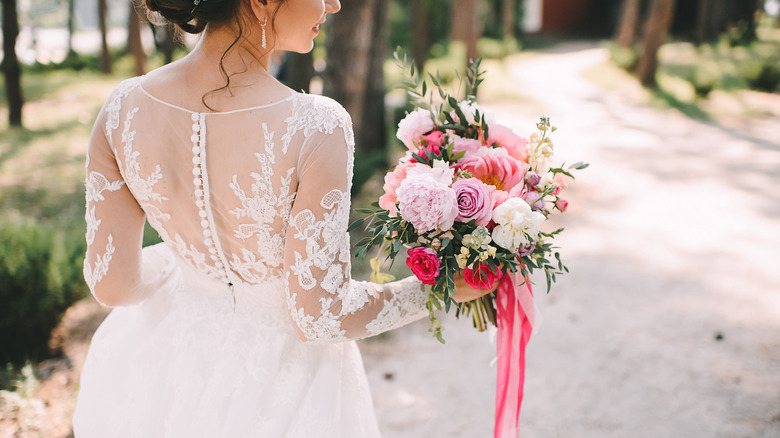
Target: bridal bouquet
point(469, 198)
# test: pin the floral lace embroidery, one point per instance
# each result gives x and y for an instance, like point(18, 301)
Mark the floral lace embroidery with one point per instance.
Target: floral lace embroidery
point(317, 114)
point(96, 184)
point(142, 188)
point(263, 208)
point(93, 276)
point(114, 105)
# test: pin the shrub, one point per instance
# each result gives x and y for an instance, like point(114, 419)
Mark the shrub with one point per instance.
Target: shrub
point(704, 77)
point(624, 57)
point(766, 77)
point(40, 277)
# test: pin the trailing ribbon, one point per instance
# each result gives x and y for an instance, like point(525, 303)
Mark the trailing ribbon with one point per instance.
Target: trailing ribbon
point(515, 317)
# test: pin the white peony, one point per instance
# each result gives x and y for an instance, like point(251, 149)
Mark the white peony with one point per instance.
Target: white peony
point(516, 224)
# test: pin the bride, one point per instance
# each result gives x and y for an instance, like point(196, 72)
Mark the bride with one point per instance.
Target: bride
point(241, 323)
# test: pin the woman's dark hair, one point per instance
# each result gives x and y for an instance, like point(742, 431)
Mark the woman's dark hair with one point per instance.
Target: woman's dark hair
point(193, 18)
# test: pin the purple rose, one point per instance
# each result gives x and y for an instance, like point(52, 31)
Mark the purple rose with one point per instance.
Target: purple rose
point(475, 200)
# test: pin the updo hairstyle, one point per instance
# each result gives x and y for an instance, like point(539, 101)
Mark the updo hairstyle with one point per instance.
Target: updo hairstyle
point(193, 18)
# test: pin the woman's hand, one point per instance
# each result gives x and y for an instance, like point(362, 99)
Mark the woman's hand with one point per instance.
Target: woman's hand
point(464, 292)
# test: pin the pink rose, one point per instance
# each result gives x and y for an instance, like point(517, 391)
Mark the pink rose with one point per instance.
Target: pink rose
point(475, 200)
point(413, 126)
point(561, 204)
point(482, 277)
point(562, 181)
point(424, 264)
point(392, 182)
point(426, 199)
point(514, 144)
point(494, 167)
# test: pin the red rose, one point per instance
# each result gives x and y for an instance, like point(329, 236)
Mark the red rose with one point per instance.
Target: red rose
point(482, 277)
point(424, 264)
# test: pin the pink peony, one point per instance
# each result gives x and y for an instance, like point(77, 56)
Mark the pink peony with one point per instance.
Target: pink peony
point(392, 182)
point(426, 199)
point(514, 144)
point(475, 200)
point(494, 167)
point(413, 126)
point(424, 264)
point(482, 277)
point(469, 145)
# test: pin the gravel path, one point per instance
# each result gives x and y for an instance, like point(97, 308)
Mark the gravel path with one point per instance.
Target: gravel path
point(668, 324)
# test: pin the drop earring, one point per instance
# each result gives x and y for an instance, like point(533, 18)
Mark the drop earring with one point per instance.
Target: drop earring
point(262, 25)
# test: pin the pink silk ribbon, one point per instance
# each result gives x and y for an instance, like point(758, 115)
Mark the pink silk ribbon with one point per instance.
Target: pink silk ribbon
point(515, 322)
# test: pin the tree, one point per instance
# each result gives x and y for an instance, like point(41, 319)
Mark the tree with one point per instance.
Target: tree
point(629, 18)
point(372, 132)
point(11, 68)
point(105, 56)
point(298, 70)
point(134, 44)
point(465, 25)
point(509, 19)
point(349, 44)
point(71, 24)
point(421, 42)
point(655, 33)
point(168, 41)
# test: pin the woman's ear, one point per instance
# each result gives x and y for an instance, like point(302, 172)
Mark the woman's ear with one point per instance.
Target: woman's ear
point(259, 9)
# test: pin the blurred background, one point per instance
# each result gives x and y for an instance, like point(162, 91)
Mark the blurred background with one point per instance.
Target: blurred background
point(667, 325)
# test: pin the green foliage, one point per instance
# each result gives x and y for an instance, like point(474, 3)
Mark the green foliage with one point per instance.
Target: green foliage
point(490, 48)
point(40, 277)
point(762, 74)
point(624, 57)
point(704, 78)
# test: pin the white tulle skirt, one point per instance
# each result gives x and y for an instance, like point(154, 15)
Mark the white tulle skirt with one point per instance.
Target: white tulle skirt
point(188, 362)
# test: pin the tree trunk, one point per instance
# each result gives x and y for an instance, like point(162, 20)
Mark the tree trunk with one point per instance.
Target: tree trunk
point(348, 45)
point(105, 56)
point(134, 44)
point(299, 71)
point(372, 134)
point(509, 20)
point(168, 41)
point(656, 31)
point(465, 26)
point(421, 43)
point(629, 18)
point(71, 24)
point(11, 69)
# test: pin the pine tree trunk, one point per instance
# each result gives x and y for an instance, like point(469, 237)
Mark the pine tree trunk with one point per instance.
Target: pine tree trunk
point(348, 45)
point(509, 19)
point(105, 55)
point(465, 26)
point(300, 70)
point(372, 134)
point(71, 24)
point(168, 42)
point(421, 43)
point(629, 18)
point(134, 44)
point(11, 69)
point(656, 32)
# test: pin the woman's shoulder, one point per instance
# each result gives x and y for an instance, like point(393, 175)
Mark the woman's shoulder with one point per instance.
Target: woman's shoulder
point(321, 111)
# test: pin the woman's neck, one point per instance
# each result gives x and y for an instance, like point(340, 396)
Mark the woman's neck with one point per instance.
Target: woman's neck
point(220, 49)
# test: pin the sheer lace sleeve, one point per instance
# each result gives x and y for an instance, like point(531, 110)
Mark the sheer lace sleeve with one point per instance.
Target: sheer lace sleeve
point(113, 267)
point(325, 303)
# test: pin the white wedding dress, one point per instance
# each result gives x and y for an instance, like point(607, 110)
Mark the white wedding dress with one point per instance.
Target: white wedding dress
point(206, 336)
